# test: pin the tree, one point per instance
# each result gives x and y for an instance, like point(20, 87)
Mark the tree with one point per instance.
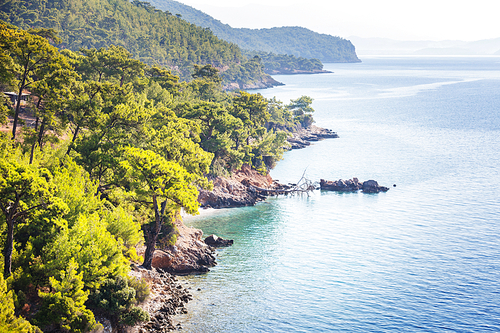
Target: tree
point(22, 189)
point(280, 116)
point(31, 55)
point(252, 110)
point(53, 96)
point(114, 62)
point(302, 110)
point(207, 72)
point(65, 304)
point(162, 184)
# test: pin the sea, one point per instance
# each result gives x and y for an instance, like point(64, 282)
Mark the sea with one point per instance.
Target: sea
point(422, 257)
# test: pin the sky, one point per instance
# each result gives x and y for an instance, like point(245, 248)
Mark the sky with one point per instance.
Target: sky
point(396, 19)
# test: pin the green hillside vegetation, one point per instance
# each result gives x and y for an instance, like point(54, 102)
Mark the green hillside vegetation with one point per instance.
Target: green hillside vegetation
point(114, 149)
point(285, 64)
point(296, 41)
point(151, 35)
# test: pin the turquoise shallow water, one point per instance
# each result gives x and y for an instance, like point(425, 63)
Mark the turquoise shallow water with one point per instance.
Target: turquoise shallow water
point(423, 257)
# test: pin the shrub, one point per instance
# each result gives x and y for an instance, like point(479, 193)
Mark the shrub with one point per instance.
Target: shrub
point(116, 298)
point(64, 306)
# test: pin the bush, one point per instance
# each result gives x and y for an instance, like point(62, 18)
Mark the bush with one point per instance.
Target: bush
point(65, 305)
point(116, 298)
point(8, 321)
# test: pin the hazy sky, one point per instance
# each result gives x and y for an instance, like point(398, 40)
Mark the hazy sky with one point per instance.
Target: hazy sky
point(397, 19)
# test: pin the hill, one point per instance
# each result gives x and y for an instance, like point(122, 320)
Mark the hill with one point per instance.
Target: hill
point(151, 35)
point(297, 41)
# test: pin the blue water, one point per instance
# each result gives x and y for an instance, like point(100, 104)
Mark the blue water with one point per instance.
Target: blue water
point(423, 257)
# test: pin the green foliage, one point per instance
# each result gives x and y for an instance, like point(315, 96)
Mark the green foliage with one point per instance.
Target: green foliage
point(141, 289)
point(280, 116)
point(268, 151)
point(151, 175)
point(123, 226)
point(117, 298)
point(302, 110)
point(139, 146)
point(95, 250)
point(29, 59)
point(152, 36)
point(9, 323)
point(249, 72)
point(285, 63)
point(23, 190)
point(64, 304)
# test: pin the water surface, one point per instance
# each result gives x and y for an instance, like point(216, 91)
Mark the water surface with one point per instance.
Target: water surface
point(423, 257)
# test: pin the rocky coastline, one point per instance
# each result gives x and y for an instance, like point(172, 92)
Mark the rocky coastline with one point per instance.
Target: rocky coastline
point(302, 137)
point(296, 71)
point(167, 298)
point(264, 83)
point(192, 254)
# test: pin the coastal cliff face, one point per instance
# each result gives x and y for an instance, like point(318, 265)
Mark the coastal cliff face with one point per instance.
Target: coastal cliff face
point(189, 255)
point(235, 191)
point(264, 83)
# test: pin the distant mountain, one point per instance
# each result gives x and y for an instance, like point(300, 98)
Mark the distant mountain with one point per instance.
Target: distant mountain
point(384, 46)
point(297, 41)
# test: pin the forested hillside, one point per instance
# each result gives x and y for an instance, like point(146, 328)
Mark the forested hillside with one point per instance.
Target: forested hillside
point(295, 41)
point(151, 35)
point(286, 64)
point(99, 161)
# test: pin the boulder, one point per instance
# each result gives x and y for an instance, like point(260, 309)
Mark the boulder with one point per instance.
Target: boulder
point(371, 186)
point(350, 185)
point(189, 255)
point(215, 241)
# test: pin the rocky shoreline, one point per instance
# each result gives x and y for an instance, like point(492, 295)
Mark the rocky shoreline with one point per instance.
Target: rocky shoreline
point(167, 298)
point(193, 255)
point(264, 83)
point(303, 137)
point(297, 71)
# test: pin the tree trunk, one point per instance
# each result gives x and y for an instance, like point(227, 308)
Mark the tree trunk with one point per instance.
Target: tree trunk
point(73, 140)
point(153, 233)
point(9, 245)
point(40, 134)
point(18, 104)
point(34, 142)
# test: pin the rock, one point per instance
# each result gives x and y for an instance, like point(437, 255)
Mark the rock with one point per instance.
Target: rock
point(235, 191)
point(167, 298)
point(215, 241)
point(189, 255)
point(340, 185)
point(352, 185)
point(371, 186)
